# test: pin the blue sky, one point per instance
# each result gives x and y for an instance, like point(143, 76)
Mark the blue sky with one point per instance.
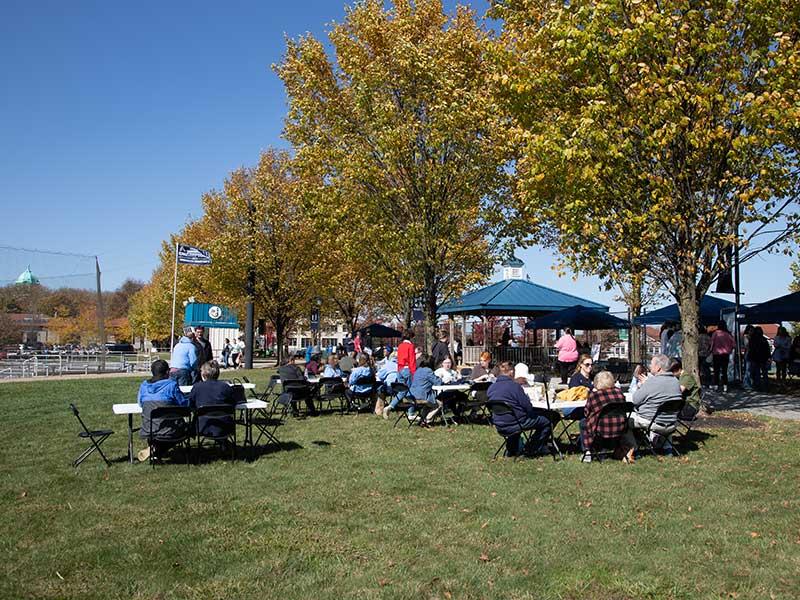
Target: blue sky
point(116, 117)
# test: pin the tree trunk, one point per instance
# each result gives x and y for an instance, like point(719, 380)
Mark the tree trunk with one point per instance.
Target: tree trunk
point(430, 318)
point(689, 307)
point(279, 335)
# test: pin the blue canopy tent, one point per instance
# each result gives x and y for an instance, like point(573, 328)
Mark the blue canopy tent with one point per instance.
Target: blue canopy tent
point(511, 298)
point(710, 311)
point(578, 317)
point(784, 308)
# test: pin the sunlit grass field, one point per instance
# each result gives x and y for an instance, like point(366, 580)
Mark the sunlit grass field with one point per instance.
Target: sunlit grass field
point(353, 508)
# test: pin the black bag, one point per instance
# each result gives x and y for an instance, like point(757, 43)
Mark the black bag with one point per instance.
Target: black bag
point(688, 413)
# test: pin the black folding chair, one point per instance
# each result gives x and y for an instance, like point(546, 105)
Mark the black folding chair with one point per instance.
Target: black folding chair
point(168, 428)
point(274, 420)
point(405, 401)
point(498, 408)
point(664, 423)
point(604, 446)
point(216, 422)
point(300, 391)
point(332, 389)
point(97, 437)
point(476, 400)
point(361, 400)
point(252, 390)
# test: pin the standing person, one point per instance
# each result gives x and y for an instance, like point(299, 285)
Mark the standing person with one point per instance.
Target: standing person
point(758, 358)
point(204, 351)
point(747, 378)
point(783, 345)
point(674, 348)
point(458, 351)
point(183, 362)
point(704, 354)
point(722, 345)
point(441, 349)
point(358, 346)
point(505, 340)
point(666, 333)
point(226, 353)
point(237, 354)
point(567, 353)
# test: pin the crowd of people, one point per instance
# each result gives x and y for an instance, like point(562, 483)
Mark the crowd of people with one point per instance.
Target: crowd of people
point(369, 374)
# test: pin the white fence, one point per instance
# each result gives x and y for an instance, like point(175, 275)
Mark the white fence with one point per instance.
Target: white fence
point(44, 365)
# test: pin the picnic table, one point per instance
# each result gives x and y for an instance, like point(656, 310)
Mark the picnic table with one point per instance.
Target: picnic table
point(248, 386)
point(134, 408)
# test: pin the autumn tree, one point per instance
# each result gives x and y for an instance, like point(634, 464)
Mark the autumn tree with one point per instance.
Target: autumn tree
point(654, 134)
point(401, 131)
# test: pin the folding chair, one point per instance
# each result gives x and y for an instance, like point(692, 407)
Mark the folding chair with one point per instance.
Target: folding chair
point(216, 422)
point(357, 399)
point(252, 390)
point(498, 408)
point(168, 425)
point(602, 445)
point(668, 411)
point(567, 422)
point(97, 436)
point(299, 390)
point(405, 402)
point(476, 400)
point(277, 417)
point(330, 389)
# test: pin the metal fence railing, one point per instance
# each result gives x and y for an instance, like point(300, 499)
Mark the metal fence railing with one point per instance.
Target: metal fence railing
point(45, 365)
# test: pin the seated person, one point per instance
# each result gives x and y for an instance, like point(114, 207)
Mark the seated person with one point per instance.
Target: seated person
point(347, 362)
point(485, 370)
point(332, 368)
point(690, 389)
point(421, 388)
point(362, 372)
point(605, 392)
point(387, 375)
point(509, 391)
point(639, 375)
point(453, 399)
point(289, 371)
point(312, 366)
point(208, 392)
point(446, 373)
point(583, 373)
point(159, 390)
point(521, 374)
point(661, 386)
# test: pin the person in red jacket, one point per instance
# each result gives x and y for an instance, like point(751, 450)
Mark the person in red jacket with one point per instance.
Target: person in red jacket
point(406, 366)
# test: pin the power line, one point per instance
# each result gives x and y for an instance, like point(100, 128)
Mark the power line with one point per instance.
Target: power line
point(56, 252)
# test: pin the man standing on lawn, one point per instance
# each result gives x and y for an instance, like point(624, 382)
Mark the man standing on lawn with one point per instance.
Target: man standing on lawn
point(184, 359)
point(204, 351)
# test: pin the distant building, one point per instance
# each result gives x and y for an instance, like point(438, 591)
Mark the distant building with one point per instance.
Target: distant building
point(27, 278)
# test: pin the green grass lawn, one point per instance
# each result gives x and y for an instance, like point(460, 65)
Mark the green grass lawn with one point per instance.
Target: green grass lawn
point(357, 509)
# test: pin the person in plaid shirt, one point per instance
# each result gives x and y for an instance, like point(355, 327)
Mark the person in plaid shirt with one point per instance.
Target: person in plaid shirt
point(605, 392)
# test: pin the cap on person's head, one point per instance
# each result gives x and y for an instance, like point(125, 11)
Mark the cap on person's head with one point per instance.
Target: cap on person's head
point(188, 330)
point(521, 371)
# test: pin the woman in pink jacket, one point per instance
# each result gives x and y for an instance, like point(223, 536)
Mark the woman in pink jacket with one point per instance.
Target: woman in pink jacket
point(722, 344)
point(567, 353)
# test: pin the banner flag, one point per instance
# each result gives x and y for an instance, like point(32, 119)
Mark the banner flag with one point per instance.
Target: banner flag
point(189, 255)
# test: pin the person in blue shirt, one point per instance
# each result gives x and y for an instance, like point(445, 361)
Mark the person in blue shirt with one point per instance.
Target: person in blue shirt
point(524, 418)
point(332, 368)
point(421, 388)
point(361, 380)
point(184, 359)
point(387, 375)
point(159, 390)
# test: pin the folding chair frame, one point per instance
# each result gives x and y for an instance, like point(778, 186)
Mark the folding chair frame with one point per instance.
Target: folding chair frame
point(97, 436)
point(216, 411)
point(668, 407)
point(169, 413)
point(623, 409)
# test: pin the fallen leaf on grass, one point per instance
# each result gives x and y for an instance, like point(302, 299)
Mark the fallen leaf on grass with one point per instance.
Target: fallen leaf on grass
point(383, 582)
point(485, 525)
point(484, 557)
point(59, 576)
point(698, 526)
point(105, 475)
point(447, 595)
point(754, 534)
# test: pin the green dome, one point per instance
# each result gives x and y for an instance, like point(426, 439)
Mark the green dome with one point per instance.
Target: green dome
point(27, 277)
